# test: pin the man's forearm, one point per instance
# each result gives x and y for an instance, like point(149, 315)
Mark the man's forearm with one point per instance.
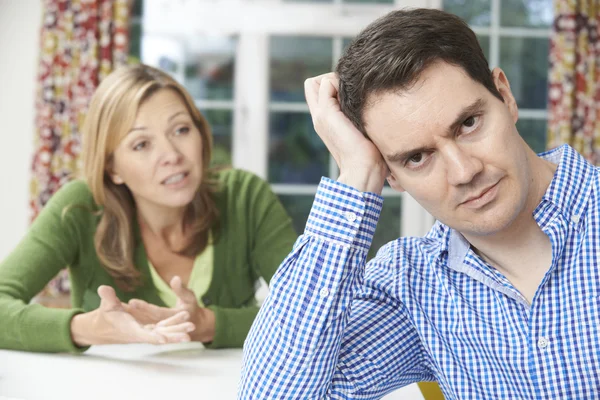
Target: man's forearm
point(301, 325)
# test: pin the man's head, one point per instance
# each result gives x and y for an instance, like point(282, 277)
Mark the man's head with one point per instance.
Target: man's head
point(392, 52)
point(418, 85)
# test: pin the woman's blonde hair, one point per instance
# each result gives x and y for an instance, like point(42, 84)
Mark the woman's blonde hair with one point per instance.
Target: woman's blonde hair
point(111, 114)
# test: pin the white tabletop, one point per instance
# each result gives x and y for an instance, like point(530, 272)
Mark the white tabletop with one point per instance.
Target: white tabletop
point(167, 372)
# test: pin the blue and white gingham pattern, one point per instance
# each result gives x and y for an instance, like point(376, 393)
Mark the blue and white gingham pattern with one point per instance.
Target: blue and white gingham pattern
point(429, 308)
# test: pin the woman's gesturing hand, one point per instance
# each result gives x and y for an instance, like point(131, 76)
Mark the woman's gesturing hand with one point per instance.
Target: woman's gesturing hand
point(112, 324)
point(202, 318)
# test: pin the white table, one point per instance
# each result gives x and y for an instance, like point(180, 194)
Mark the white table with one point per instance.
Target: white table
point(168, 372)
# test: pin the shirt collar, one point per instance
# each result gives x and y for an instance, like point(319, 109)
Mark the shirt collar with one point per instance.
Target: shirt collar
point(571, 186)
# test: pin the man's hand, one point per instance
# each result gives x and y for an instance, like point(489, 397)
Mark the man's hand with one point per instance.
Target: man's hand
point(202, 318)
point(361, 165)
point(112, 324)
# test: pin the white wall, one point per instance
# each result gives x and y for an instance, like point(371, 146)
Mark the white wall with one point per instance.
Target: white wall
point(20, 22)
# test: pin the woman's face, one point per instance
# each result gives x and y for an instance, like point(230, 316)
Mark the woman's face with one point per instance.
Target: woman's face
point(160, 158)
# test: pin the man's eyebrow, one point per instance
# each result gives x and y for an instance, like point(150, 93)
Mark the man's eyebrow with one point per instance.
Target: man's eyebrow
point(141, 128)
point(465, 113)
point(405, 155)
point(476, 107)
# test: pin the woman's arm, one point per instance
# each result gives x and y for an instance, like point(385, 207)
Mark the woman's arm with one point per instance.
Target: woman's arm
point(50, 245)
point(271, 232)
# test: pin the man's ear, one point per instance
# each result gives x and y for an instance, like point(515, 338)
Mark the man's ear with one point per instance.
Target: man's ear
point(503, 86)
point(394, 183)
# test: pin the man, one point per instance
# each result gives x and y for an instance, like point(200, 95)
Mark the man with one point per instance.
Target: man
point(501, 300)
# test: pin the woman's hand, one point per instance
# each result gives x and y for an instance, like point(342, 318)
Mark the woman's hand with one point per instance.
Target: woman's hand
point(360, 162)
point(202, 318)
point(112, 324)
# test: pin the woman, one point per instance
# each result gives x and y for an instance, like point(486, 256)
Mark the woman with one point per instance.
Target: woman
point(149, 221)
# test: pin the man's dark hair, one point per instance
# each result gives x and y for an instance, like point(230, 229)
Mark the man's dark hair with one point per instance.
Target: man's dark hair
point(392, 52)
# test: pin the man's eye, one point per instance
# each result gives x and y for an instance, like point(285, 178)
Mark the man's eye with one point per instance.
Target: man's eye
point(469, 122)
point(416, 158)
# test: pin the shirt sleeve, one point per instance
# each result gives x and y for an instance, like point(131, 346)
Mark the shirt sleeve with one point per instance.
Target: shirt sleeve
point(311, 338)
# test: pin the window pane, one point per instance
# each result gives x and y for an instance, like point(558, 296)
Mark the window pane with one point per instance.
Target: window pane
point(345, 43)
point(135, 36)
point(296, 153)
point(484, 42)
point(388, 226)
point(474, 12)
point(526, 13)
point(221, 123)
point(209, 66)
point(534, 133)
point(293, 60)
point(298, 207)
point(137, 8)
point(525, 62)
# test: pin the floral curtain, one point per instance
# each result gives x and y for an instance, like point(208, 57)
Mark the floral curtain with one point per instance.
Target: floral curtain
point(82, 41)
point(574, 90)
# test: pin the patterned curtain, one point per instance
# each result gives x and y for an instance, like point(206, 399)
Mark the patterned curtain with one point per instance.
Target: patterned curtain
point(82, 41)
point(574, 90)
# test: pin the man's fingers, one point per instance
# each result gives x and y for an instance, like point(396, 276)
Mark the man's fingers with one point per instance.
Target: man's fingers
point(311, 89)
point(328, 90)
point(328, 75)
point(311, 92)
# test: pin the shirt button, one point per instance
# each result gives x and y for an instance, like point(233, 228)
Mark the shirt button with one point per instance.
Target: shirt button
point(575, 219)
point(350, 216)
point(543, 343)
point(324, 292)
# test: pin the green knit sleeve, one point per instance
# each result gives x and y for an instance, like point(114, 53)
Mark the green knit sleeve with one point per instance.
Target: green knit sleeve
point(270, 229)
point(50, 245)
point(271, 236)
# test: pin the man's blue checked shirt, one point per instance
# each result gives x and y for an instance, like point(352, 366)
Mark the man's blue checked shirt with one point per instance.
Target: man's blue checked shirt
point(429, 308)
